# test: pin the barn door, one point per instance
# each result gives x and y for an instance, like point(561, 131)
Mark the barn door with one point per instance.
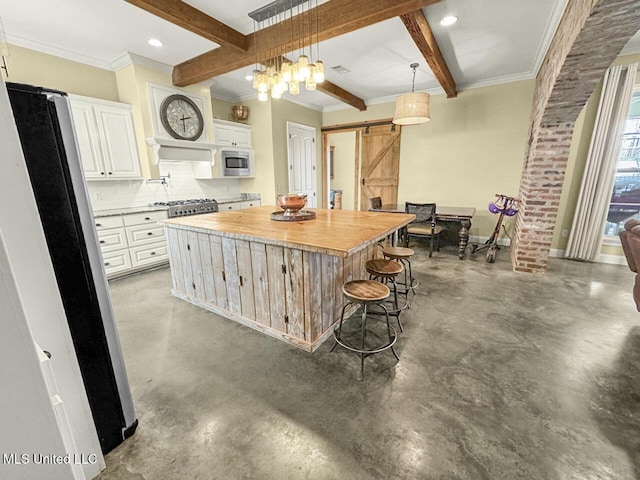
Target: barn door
point(380, 164)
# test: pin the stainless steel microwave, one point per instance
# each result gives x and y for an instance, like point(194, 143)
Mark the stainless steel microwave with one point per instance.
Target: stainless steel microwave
point(236, 163)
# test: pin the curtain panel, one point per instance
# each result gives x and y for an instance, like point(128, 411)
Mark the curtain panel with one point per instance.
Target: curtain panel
point(589, 219)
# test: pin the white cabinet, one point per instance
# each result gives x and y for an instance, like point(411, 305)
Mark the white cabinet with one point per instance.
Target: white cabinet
point(225, 207)
point(250, 203)
point(231, 134)
point(106, 138)
point(130, 243)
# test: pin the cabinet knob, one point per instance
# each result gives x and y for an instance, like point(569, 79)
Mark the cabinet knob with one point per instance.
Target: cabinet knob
point(152, 253)
point(149, 233)
point(106, 264)
point(101, 173)
point(101, 241)
point(147, 218)
point(230, 208)
point(98, 224)
point(110, 173)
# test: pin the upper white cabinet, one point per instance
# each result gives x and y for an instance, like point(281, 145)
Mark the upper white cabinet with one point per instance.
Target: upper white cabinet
point(231, 134)
point(106, 138)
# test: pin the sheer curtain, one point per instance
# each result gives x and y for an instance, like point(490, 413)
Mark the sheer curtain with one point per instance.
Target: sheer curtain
point(597, 182)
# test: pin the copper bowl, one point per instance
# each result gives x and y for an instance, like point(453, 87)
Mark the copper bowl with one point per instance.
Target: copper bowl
point(240, 112)
point(292, 203)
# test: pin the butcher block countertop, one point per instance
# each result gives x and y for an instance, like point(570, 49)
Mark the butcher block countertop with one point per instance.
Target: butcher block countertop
point(335, 232)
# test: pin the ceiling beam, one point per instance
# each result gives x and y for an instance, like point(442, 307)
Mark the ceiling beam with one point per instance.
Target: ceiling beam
point(334, 90)
point(422, 35)
point(341, 94)
point(335, 17)
point(192, 19)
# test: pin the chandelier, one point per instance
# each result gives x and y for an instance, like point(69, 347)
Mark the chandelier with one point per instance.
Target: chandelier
point(275, 74)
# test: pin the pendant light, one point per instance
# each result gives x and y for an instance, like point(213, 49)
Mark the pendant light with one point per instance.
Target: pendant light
point(412, 108)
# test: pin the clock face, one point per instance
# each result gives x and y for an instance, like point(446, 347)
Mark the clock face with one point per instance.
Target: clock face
point(181, 118)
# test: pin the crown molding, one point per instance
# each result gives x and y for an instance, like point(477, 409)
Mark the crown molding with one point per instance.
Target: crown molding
point(225, 98)
point(547, 37)
point(57, 51)
point(303, 103)
point(128, 58)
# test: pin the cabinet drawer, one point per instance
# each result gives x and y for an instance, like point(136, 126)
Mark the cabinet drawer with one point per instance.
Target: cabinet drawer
point(144, 218)
point(250, 203)
point(223, 207)
point(149, 254)
point(144, 234)
point(112, 239)
point(108, 222)
point(116, 262)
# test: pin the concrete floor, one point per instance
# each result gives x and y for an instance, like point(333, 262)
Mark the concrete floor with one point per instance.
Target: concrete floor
point(501, 376)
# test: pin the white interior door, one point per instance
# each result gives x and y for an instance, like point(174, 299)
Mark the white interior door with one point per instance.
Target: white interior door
point(301, 151)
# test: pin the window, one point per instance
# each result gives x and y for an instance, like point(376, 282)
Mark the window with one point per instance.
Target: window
point(625, 199)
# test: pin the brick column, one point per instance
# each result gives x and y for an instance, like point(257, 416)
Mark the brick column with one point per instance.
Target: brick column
point(589, 37)
point(540, 189)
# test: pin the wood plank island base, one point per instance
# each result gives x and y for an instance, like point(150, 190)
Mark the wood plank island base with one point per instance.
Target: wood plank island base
point(283, 279)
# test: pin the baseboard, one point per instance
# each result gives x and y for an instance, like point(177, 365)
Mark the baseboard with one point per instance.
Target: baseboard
point(602, 258)
point(502, 241)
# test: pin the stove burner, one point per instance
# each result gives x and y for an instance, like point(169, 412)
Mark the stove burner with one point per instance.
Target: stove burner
point(192, 206)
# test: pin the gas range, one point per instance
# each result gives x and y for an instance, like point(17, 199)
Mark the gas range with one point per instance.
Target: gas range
point(192, 206)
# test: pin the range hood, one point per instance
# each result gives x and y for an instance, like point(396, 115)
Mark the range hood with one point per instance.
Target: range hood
point(173, 150)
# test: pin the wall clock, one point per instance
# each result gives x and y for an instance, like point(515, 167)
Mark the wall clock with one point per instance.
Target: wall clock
point(181, 117)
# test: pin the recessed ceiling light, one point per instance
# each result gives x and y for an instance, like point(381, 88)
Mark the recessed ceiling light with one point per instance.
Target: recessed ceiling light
point(154, 42)
point(248, 77)
point(448, 20)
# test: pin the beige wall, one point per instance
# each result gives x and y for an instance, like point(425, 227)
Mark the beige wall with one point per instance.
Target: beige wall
point(472, 148)
point(343, 166)
point(262, 137)
point(282, 112)
point(41, 69)
point(575, 167)
point(222, 109)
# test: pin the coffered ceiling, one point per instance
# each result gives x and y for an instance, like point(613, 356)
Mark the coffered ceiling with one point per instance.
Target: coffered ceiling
point(494, 41)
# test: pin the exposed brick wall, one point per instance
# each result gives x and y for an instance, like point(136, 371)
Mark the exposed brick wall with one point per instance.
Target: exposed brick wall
point(589, 37)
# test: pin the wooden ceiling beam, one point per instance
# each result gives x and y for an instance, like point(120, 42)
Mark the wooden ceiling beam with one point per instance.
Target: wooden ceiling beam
point(341, 94)
point(422, 35)
point(335, 91)
point(192, 19)
point(334, 18)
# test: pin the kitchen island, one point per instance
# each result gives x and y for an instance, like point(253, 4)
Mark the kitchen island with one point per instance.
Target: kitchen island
point(283, 279)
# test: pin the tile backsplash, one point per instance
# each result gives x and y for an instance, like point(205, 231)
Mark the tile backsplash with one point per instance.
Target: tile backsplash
point(180, 185)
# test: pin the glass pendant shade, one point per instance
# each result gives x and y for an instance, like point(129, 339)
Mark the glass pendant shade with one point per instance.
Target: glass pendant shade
point(303, 67)
point(412, 109)
point(286, 72)
point(318, 75)
point(294, 87)
point(310, 84)
point(263, 96)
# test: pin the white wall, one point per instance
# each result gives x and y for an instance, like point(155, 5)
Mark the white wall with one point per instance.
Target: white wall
point(110, 194)
point(30, 304)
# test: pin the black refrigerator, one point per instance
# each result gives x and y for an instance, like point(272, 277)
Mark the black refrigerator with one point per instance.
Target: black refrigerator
point(45, 128)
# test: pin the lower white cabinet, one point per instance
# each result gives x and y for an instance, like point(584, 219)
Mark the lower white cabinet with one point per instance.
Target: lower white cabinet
point(131, 242)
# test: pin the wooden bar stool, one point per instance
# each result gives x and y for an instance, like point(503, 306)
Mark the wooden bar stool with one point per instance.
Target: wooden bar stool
point(403, 255)
point(365, 293)
point(386, 271)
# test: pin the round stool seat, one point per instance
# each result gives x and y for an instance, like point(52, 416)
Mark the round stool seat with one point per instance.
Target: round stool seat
point(397, 252)
point(383, 267)
point(365, 291)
